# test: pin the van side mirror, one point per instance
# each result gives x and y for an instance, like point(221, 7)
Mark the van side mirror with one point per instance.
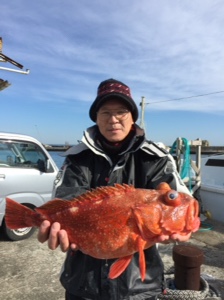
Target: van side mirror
point(41, 165)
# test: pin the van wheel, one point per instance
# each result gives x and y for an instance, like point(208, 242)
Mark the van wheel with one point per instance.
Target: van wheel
point(18, 234)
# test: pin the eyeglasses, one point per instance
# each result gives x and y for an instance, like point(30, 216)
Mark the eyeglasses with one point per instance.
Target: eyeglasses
point(120, 115)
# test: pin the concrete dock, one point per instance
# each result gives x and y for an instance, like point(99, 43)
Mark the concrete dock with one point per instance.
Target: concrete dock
point(29, 270)
point(210, 239)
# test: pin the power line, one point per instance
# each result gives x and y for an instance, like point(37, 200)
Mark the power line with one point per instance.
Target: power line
point(143, 103)
point(186, 97)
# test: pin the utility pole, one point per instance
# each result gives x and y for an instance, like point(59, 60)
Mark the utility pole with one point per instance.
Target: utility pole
point(142, 104)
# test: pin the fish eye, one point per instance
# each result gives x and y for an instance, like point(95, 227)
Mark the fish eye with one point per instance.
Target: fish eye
point(172, 195)
point(172, 198)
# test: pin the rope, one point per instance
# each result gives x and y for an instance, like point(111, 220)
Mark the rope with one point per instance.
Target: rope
point(171, 294)
point(186, 164)
point(206, 292)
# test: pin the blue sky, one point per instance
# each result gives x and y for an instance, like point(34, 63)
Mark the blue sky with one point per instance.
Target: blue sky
point(162, 49)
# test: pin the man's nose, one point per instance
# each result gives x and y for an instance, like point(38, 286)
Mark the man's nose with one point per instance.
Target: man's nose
point(113, 118)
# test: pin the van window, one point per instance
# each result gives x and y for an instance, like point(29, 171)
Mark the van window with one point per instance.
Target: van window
point(21, 154)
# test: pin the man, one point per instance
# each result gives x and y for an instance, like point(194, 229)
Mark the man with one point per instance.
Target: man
point(112, 151)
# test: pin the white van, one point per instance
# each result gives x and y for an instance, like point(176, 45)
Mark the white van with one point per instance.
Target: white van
point(27, 174)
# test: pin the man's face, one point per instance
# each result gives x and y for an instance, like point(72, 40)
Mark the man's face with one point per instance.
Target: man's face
point(114, 120)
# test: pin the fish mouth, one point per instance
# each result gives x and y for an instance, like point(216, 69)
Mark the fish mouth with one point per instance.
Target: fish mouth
point(193, 220)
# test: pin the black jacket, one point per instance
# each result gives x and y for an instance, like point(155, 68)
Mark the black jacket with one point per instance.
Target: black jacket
point(142, 164)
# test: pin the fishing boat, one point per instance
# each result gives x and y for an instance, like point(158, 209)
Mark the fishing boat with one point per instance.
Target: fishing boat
point(212, 186)
point(204, 176)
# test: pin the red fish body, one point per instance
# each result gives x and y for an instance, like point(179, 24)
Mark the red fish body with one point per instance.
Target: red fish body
point(114, 222)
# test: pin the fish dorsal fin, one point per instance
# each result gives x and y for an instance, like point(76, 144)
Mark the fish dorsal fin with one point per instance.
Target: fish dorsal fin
point(106, 192)
point(119, 266)
point(54, 206)
point(99, 193)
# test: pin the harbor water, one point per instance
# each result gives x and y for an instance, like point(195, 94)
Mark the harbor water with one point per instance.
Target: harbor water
point(58, 159)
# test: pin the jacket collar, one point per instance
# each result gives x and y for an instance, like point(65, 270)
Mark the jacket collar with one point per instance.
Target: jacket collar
point(89, 142)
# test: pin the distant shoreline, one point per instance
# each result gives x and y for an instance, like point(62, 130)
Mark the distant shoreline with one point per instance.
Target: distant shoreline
point(56, 148)
point(204, 149)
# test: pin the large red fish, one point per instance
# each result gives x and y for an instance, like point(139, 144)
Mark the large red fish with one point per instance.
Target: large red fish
point(114, 222)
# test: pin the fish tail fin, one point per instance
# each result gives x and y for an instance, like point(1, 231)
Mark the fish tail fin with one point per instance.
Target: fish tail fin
point(118, 267)
point(19, 216)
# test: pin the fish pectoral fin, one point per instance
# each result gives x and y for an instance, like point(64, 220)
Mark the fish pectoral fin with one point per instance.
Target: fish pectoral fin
point(141, 245)
point(118, 267)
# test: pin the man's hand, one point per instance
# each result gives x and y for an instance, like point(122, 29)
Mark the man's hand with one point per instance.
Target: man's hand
point(180, 238)
point(173, 238)
point(55, 236)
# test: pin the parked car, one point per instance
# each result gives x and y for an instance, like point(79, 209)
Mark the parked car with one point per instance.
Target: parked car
point(27, 174)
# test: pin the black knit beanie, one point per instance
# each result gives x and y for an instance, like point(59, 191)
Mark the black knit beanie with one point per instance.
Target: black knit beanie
point(112, 88)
